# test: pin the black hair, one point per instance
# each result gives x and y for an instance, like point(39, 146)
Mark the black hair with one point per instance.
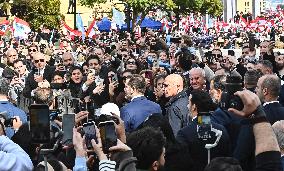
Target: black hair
point(185, 60)
point(138, 83)
point(147, 145)
point(203, 101)
point(223, 164)
point(93, 57)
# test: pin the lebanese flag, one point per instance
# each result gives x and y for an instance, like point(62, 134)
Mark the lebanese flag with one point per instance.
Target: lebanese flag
point(71, 33)
point(21, 28)
point(91, 32)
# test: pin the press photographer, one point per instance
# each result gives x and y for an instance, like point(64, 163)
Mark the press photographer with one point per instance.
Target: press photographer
point(199, 132)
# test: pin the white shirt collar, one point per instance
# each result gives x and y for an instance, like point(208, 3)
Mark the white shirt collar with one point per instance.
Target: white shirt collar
point(266, 103)
point(136, 97)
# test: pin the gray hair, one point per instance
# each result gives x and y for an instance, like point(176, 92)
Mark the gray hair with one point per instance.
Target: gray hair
point(273, 84)
point(278, 128)
point(198, 69)
point(4, 86)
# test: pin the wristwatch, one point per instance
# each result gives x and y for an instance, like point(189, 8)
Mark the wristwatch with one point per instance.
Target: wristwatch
point(256, 117)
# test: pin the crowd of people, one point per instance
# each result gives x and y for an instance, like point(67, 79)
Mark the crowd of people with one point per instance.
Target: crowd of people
point(179, 103)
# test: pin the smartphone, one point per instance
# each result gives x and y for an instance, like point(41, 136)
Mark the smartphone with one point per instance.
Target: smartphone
point(39, 123)
point(108, 135)
point(68, 123)
point(53, 114)
point(90, 133)
point(114, 78)
point(204, 127)
point(155, 63)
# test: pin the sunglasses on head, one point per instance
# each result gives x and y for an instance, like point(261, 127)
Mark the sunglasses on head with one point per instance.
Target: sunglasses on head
point(40, 60)
point(32, 50)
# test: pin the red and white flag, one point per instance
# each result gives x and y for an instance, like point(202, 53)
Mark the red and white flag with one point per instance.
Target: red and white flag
point(91, 32)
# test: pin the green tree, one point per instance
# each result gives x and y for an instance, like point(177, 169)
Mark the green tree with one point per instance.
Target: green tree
point(38, 12)
point(212, 7)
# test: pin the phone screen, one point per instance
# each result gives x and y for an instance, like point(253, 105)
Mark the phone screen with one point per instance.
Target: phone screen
point(148, 74)
point(68, 123)
point(114, 78)
point(90, 133)
point(108, 135)
point(40, 123)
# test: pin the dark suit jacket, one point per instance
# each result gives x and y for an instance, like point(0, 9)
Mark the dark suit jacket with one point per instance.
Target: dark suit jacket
point(136, 112)
point(274, 112)
point(196, 147)
point(31, 84)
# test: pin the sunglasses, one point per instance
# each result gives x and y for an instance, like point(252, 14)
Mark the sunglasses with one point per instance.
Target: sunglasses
point(32, 50)
point(40, 60)
point(131, 63)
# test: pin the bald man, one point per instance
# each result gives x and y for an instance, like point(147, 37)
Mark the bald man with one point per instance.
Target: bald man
point(68, 60)
point(40, 72)
point(11, 55)
point(268, 89)
point(176, 109)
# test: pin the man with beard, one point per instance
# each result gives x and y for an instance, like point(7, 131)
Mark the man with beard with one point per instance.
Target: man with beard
point(139, 108)
point(68, 60)
point(268, 89)
point(280, 66)
point(266, 53)
point(229, 65)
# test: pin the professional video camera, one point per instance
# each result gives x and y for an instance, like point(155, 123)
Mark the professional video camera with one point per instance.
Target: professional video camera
point(228, 99)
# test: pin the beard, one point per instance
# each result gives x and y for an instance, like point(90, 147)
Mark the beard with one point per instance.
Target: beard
point(279, 66)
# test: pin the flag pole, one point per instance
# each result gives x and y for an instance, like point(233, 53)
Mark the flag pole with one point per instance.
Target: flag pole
point(75, 12)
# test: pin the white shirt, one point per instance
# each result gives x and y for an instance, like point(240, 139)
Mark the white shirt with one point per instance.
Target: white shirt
point(136, 97)
point(266, 103)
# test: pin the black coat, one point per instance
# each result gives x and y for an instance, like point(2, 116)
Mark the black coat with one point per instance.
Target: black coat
point(196, 147)
point(274, 112)
point(31, 84)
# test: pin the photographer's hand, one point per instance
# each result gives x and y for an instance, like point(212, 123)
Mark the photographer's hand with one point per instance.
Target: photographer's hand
point(120, 147)
point(80, 116)
point(250, 101)
point(120, 128)
point(112, 87)
point(98, 147)
point(90, 79)
point(78, 142)
point(17, 123)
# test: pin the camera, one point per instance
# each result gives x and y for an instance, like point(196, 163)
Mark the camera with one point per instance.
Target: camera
point(228, 99)
point(8, 122)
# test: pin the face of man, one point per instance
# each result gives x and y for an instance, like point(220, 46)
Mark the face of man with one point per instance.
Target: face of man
point(264, 47)
point(68, 60)
point(197, 81)
point(279, 62)
point(170, 89)
point(161, 161)
point(94, 64)
point(32, 51)
point(258, 89)
point(228, 63)
point(39, 61)
point(77, 76)
point(128, 90)
point(58, 79)
point(11, 56)
point(99, 52)
point(131, 64)
point(20, 67)
point(163, 57)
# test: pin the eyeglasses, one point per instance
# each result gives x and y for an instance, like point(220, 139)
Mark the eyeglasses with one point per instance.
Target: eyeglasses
point(32, 50)
point(93, 64)
point(40, 60)
point(131, 62)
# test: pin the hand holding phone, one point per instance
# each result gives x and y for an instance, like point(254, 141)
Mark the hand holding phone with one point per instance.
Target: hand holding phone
point(90, 133)
point(108, 135)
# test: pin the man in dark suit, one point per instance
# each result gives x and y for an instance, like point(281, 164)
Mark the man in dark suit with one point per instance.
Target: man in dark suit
point(200, 104)
point(268, 90)
point(139, 108)
point(40, 72)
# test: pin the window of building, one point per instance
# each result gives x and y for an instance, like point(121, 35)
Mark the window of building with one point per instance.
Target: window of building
point(247, 3)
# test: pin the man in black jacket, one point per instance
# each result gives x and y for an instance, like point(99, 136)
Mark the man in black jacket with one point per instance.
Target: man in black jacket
point(40, 72)
point(268, 89)
point(200, 104)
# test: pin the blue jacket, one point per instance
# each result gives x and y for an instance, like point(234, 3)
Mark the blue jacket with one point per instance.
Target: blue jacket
point(13, 157)
point(12, 111)
point(136, 112)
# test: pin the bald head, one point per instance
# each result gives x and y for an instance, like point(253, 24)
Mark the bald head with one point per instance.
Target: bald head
point(268, 88)
point(12, 55)
point(173, 85)
point(39, 60)
point(68, 59)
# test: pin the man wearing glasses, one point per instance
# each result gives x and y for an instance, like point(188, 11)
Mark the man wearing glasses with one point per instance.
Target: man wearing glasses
point(40, 72)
